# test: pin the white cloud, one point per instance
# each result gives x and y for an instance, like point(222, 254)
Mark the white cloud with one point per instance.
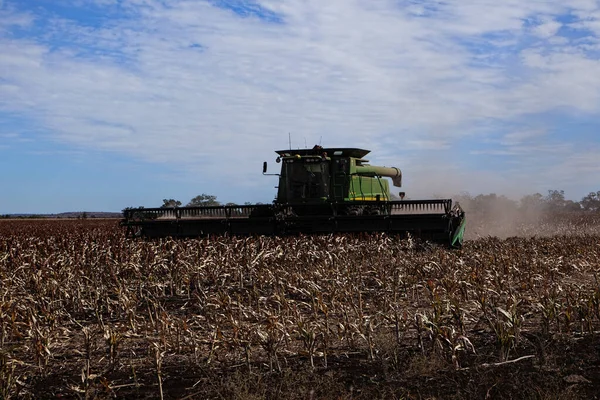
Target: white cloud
point(589, 18)
point(10, 19)
point(547, 29)
point(194, 85)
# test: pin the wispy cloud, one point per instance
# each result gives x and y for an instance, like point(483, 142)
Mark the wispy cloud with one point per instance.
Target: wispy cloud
point(219, 84)
point(428, 144)
point(519, 137)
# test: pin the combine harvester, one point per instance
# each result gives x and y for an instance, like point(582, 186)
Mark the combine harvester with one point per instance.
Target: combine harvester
point(321, 191)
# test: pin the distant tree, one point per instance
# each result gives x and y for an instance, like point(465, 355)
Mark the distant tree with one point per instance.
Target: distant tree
point(170, 203)
point(591, 202)
point(555, 199)
point(572, 206)
point(204, 200)
point(532, 202)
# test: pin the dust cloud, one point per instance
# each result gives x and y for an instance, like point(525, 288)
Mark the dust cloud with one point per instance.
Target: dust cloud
point(510, 223)
point(501, 218)
point(500, 213)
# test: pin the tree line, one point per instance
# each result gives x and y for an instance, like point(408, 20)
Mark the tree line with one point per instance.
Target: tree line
point(202, 200)
point(553, 201)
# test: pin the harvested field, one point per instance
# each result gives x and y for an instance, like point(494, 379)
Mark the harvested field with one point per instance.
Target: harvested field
point(86, 313)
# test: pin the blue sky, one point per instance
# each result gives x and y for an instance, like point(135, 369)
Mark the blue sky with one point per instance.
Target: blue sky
point(106, 104)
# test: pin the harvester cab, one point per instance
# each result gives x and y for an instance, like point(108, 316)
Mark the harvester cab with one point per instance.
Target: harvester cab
point(335, 175)
point(320, 191)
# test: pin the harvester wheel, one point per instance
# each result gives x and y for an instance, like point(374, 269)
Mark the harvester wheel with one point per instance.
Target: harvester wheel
point(353, 211)
point(372, 211)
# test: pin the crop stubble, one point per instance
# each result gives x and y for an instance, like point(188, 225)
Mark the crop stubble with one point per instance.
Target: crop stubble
point(86, 313)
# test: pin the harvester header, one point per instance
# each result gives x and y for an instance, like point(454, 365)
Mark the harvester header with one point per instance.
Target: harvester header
point(320, 190)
